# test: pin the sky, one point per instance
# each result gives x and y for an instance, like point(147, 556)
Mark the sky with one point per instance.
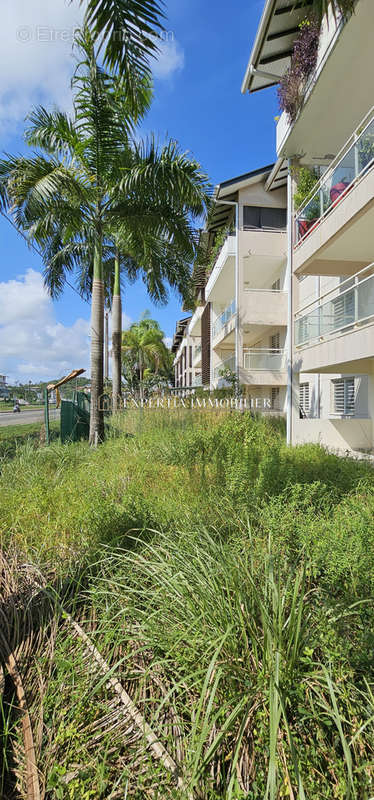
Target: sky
point(197, 100)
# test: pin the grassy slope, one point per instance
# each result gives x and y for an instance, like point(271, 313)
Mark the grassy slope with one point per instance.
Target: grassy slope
point(248, 606)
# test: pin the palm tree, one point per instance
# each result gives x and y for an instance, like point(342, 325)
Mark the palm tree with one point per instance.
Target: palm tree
point(90, 185)
point(144, 350)
point(128, 32)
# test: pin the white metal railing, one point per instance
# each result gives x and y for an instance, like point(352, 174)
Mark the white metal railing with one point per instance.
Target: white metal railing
point(347, 305)
point(261, 358)
point(353, 160)
point(228, 363)
point(224, 318)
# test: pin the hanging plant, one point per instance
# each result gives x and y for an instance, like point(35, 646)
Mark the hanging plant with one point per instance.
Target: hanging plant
point(303, 63)
point(344, 8)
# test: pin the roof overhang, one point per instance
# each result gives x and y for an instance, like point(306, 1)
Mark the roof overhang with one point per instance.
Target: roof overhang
point(278, 176)
point(222, 215)
point(270, 56)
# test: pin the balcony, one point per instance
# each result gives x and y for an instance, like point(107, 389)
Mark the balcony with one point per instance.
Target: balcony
point(227, 364)
point(196, 360)
point(226, 255)
point(335, 98)
point(353, 161)
point(333, 229)
point(349, 306)
point(222, 326)
point(264, 367)
point(262, 358)
point(335, 332)
point(261, 308)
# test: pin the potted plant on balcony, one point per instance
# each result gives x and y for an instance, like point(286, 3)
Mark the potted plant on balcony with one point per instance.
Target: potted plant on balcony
point(306, 180)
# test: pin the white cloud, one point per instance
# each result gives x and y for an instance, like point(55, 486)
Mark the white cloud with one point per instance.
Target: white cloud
point(170, 59)
point(33, 344)
point(36, 58)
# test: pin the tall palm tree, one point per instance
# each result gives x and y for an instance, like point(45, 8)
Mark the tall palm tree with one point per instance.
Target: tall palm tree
point(90, 183)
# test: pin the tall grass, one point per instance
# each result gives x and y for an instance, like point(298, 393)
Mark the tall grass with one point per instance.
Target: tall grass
point(227, 580)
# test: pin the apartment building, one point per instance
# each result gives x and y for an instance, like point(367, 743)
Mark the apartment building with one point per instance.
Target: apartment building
point(242, 305)
point(330, 242)
point(187, 360)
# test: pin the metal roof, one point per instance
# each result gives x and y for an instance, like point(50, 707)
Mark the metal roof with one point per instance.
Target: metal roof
point(270, 56)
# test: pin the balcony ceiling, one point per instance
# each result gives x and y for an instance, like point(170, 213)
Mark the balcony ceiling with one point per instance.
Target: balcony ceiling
point(341, 97)
point(274, 43)
point(260, 271)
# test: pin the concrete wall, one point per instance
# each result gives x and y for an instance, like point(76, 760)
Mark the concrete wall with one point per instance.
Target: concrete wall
point(337, 434)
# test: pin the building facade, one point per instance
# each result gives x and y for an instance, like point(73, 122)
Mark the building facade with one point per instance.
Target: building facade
point(330, 250)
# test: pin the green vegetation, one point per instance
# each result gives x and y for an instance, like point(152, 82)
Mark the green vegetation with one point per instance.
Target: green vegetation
point(228, 582)
point(306, 180)
point(146, 361)
point(12, 437)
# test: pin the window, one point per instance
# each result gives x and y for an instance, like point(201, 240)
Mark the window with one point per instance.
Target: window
point(276, 285)
point(190, 355)
point(275, 342)
point(258, 217)
point(304, 399)
point(343, 396)
point(275, 398)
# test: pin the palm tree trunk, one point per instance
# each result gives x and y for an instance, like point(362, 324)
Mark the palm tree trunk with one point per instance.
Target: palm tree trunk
point(116, 336)
point(97, 346)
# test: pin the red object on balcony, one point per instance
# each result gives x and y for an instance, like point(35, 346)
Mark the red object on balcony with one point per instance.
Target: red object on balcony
point(305, 226)
point(338, 190)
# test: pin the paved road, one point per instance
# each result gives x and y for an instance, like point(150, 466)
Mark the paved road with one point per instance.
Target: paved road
point(26, 416)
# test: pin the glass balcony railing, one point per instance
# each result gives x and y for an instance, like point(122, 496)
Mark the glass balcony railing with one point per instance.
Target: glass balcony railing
point(224, 318)
point(197, 381)
point(228, 363)
point(350, 305)
point(265, 359)
point(354, 159)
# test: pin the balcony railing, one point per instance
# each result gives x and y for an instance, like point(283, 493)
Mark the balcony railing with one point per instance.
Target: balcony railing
point(224, 318)
point(261, 358)
point(354, 159)
point(332, 314)
point(229, 245)
point(228, 363)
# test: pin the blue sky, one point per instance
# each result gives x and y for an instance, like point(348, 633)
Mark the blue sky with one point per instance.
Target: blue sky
point(197, 101)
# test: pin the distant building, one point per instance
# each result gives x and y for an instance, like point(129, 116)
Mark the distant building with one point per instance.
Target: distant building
point(4, 391)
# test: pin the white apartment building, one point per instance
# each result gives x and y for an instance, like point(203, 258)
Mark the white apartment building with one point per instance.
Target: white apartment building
point(241, 315)
point(330, 261)
point(187, 360)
